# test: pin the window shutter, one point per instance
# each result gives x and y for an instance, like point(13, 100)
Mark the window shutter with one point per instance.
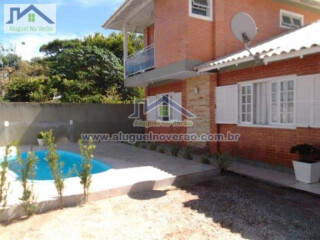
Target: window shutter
point(304, 101)
point(177, 115)
point(152, 115)
point(316, 104)
point(227, 105)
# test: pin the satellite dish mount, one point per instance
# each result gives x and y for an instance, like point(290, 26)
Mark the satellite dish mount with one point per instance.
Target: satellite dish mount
point(244, 29)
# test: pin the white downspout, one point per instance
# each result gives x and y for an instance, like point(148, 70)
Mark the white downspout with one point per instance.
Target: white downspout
point(125, 47)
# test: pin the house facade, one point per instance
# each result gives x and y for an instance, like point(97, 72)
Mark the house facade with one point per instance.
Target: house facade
point(192, 57)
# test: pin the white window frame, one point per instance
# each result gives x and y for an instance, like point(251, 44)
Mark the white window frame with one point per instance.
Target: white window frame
point(269, 81)
point(241, 103)
point(158, 108)
point(208, 18)
point(291, 15)
point(278, 123)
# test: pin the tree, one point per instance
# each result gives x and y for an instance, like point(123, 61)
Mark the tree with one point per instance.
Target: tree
point(29, 84)
point(97, 74)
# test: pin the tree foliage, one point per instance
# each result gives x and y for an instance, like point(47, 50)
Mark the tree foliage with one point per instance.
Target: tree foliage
point(88, 70)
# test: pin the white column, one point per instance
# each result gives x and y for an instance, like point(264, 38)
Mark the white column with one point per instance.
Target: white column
point(125, 48)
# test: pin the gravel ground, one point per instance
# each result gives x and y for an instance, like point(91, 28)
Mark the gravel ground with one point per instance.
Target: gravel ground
point(229, 207)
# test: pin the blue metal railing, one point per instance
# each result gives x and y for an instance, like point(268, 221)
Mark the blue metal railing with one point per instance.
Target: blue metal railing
point(140, 61)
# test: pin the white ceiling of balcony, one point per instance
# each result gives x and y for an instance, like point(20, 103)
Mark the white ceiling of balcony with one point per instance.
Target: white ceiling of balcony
point(135, 14)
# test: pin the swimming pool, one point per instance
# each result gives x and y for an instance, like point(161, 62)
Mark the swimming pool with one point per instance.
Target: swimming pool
point(68, 158)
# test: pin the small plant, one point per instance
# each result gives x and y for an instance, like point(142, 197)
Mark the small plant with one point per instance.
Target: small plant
point(27, 171)
point(307, 153)
point(175, 150)
point(54, 165)
point(205, 159)
point(136, 144)
point(40, 135)
point(187, 153)
point(144, 145)
point(153, 147)
point(4, 184)
point(86, 166)
point(162, 149)
point(223, 161)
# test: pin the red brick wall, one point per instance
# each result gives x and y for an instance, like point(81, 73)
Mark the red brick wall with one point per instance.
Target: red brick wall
point(178, 37)
point(267, 144)
point(149, 35)
point(167, 88)
point(266, 14)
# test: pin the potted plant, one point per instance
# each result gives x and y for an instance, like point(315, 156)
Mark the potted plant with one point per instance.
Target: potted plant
point(40, 139)
point(307, 168)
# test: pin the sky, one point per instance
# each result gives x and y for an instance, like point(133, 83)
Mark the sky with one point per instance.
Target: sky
point(75, 19)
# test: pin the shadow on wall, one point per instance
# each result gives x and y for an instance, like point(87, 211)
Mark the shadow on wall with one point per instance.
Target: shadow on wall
point(67, 120)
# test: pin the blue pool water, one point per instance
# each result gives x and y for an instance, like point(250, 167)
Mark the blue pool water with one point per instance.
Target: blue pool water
point(70, 160)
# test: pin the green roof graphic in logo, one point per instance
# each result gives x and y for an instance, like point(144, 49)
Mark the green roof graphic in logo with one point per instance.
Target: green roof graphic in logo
point(31, 17)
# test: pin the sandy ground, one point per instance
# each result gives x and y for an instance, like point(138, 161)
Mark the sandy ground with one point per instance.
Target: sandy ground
point(230, 207)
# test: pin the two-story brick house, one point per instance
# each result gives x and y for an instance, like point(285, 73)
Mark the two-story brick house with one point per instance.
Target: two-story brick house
point(192, 57)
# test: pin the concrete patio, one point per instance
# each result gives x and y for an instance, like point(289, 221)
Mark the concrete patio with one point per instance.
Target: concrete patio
point(133, 170)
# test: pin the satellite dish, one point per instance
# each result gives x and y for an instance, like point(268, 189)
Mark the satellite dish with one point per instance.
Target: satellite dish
point(244, 29)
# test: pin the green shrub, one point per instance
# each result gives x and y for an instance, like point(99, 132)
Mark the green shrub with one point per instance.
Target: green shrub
point(307, 153)
point(205, 159)
point(223, 161)
point(136, 144)
point(4, 183)
point(27, 171)
point(187, 153)
point(54, 165)
point(144, 145)
point(86, 166)
point(175, 150)
point(153, 147)
point(40, 135)
point(162, 149)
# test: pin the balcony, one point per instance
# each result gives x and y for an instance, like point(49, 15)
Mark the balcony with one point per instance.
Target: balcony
point(140, 61)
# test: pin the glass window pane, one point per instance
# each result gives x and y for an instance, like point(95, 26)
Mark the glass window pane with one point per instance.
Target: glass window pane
point(243, 117)
point(274, 107)
point(282, 107)
point(290, 107)
point(274, 97)
point(249, 108)
point(286, 19)
point(243, 90)
point(283, 97)
point(249, 99)
point(244, 99)
point(274, 87)
point(248, 89)
point(283, 118)
point(249, 117)
point(290, 85)
point(290, 97)
point(244, 108)
point(274, 117)
point(284, 86)
point(290, 118)
point(297, 22)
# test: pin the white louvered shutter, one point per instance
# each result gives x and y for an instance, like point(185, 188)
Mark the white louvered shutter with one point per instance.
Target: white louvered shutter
point(152, 115)
point(227, 105)
point(304, 101)
point(316, 104)
point(177, 115)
